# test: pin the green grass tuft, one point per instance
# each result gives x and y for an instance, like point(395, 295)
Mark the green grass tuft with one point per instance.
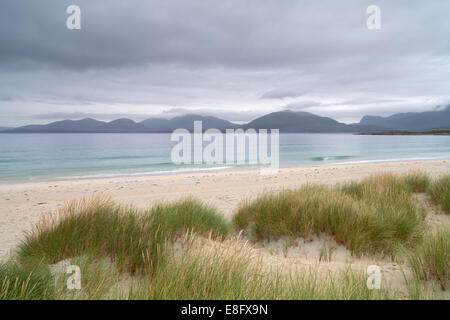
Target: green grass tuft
point(431, 260)
point(190, 215)
point(96, 227)
point(135, 240)
point(417, 181)
point(375, 215)
point(232, 273)
point(439, 192)
point(19, 283)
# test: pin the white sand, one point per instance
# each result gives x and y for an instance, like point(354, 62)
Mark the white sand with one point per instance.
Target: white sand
point(23, 204)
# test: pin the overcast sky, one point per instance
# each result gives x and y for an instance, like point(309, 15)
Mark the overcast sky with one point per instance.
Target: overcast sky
point(236, 59)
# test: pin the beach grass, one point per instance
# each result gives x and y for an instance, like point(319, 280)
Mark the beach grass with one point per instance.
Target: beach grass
point(221, 272)
point(431, 259)
point(375, 215)
point(416, 181)
point(99, 228)
point(188, 250)
point(133, 239)
point(19, 283)
point(418, 290)
point(233, 272)
point(190, 215)
point(439, 191)
point(100, 279)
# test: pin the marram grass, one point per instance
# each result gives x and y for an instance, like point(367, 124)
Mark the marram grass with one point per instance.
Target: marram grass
point(124, 253)
point(233, 272)
point(373, 216)
point(132, 239)
point(439, 192)
point(226, 272)
point(431, 259)
point(19, 283)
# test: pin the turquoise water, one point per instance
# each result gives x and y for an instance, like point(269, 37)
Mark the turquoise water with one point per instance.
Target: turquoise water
point(31, 157)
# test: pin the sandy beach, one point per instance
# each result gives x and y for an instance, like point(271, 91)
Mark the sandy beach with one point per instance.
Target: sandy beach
point(23, 203)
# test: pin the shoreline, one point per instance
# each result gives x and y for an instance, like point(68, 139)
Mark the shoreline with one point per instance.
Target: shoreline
point(189, 171)
point(24, 203)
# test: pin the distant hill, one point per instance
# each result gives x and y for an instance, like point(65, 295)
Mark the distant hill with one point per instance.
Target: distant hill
point(286, 121)
point(412, 121)
point(4, 128)
point(208, 122)
point(120, 126)
point(290, 122)
point(64, 126)
point(156, 124)
point(153, 125)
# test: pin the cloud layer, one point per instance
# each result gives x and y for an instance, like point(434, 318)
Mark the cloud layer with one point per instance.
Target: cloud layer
point(235, 58)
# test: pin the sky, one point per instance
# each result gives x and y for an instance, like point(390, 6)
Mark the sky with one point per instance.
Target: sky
point(235, 59)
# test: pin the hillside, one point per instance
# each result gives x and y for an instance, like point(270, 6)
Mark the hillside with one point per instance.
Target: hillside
point(286, 121)
point(412, 121)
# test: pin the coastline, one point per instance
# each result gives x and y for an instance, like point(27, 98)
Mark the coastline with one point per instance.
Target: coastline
point(24, 203)
point(323, 162)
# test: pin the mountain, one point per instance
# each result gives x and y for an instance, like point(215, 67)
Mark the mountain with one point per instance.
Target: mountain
point(120, 126)
point(156, 124)
point(289, 122)
point(4, 128)
point(412, 121)
point(286, 121)
point(153, 125)
point(208, 122)
point(65, 126)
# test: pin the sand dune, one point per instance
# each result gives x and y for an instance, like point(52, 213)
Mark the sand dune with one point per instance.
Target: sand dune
point(23, 204)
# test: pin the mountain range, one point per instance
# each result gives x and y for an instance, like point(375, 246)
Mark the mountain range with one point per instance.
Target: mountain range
point(412, 121)
point(287, 121)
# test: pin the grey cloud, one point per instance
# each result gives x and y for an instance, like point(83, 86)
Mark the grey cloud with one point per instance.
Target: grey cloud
point(234, 58)
point(235, 33)
point(442, 106)
point(361, 101)
point(233, 116)
point(282, 93)
point(300, 105)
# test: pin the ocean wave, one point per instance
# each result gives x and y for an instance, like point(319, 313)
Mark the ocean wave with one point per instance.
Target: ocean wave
point(389, 160)
point(327, 158)
point(146, 173)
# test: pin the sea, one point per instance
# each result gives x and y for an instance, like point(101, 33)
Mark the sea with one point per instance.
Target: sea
point(49, 157)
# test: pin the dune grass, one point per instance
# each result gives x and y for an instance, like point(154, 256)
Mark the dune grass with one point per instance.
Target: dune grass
point(99, 228)
point(372, 216)
point(415, 181)
point(190, 215)
point(222, 272)
point(431, 259)
point(228, 271)
point(100, 279)
point(232, 272)
point(388, 185)
point(418, 290)
point(134, 240)
point(19, 283)
point(125, 253)
point(439, 191)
